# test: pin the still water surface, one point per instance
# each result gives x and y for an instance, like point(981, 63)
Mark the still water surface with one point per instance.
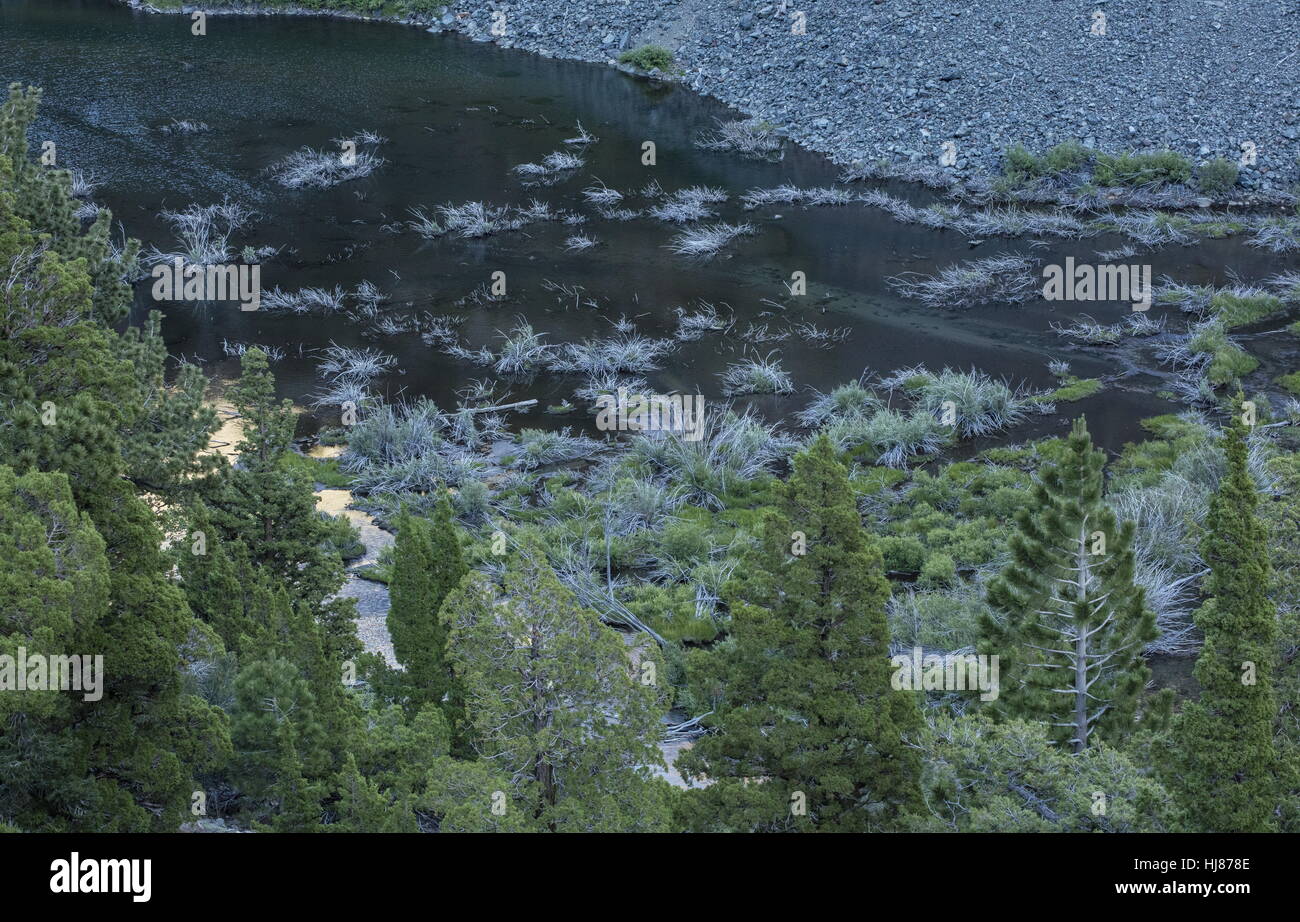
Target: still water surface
point(458, 116)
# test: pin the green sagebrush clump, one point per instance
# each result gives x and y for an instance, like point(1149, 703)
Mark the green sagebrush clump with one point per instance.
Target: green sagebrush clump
point(648, 57)
point(1019, 165)
point(1158, 168)
point(1217, 176)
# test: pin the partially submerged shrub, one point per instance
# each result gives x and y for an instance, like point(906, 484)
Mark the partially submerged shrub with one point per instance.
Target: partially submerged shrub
point(304, 301)
point(522, 351)
point(580, 242)
point(691, 326)
point(790, 195)
point(320, 169)
point(690, 204)
point(1004, 278)
point(844, 401)
point(602, 194)
point(1089, 332)
point(183, 126)
point(754, 137)
point(1277, 235)
point(624, 353)
point(203, 232)
point(756, 376)
point(1243, 305)
point(541, 448)
point(1152, 228)
point(555, 166)
point(730, 453)
point(704, 242)
point(892, 436)
point(355, 364)
point(979, 405)
point(476, 219)
point(1228, 361)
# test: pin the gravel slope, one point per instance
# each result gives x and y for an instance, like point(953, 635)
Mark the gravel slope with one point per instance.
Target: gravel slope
point(897, 78)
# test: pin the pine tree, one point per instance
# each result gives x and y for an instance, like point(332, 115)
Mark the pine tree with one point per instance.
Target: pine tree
point(270, 693)
point(165, 446)
point(542, 679)
point(297, 801)
point(811, 733)
point(1072, 623)
point(362, 807)
point(271, 513)
point(221, 585)
point(1221, 761)
point(427, 565)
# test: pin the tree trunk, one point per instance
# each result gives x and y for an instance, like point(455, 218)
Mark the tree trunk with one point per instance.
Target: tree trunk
point(1081, 647)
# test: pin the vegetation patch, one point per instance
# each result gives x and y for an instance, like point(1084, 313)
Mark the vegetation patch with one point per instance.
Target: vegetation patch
point(648, 57)
point(1239, 310)
point(1228, 361)
point(1072, 389)
point(1290, 382)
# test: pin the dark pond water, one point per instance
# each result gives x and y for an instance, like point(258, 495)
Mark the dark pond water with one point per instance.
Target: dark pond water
point(458, 116)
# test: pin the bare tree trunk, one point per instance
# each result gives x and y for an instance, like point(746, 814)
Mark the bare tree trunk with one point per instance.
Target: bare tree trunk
point(1081, 647)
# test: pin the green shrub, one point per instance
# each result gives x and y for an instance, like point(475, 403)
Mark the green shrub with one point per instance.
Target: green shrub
point(319, 470)
point(670, 610)
point(471, 502)
point(1164, 166)
point(938, 570)
point(947, 619)
point(1217, 176)
point(1019, 165)
point(342, 537)
point(902, 554)
point(1290, 382)
point(648, 57)
point(1067, 157)
point(685, 541)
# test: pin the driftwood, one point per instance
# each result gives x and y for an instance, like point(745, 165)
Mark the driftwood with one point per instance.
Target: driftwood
point(532, 401)
point(686, 730)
